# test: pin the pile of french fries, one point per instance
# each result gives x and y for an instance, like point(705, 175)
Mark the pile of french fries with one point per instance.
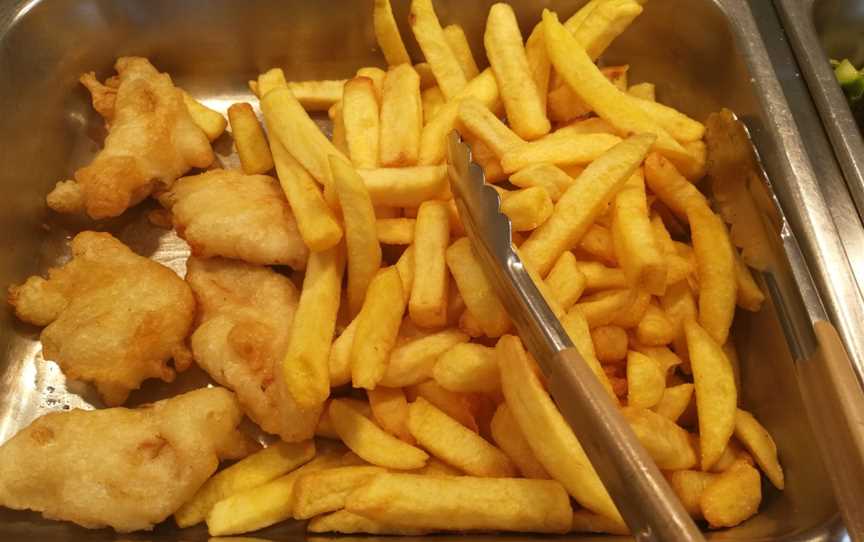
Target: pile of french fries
point(425, 413)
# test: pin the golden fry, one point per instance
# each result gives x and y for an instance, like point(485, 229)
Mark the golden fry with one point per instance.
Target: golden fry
point(412, 362)
point(675, 401)
point(646, 380)
point(432, 100)
point(211, 122)
point(655, 328)
point(458, 43)
point(378, 323)
point(645, 91)
point(249, 139)
point(467, 368)
point(633, 237)
point(688, 486)
point(387, 34)
point(395, 231)
point(732, 496)
point(477, 292)
point(390, 410)
point(401, 117)
point(481, 123)
point(670, 187)
point(667, 444)
point(317, 95)
point(576, 149)
point(761, 446)
point(325, 490)
point(507, 435)
point(600, 277)
point(430, 36)
point(610, 343)
point(405, 187)
point(715, 260)
point(458, 406)
point(565, 280)
point(428, 303)
point(749, 296)
point(551, 178)
point(527, 208)
point(600, 309)
point(360, 118)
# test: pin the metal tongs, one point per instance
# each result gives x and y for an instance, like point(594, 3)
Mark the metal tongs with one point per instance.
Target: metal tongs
point(648, 505)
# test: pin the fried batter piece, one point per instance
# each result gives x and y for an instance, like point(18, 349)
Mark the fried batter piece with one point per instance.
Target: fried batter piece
point(245, 316)
point(113, 318)
point(246, 217)
point(152, 140)
point(124, 468)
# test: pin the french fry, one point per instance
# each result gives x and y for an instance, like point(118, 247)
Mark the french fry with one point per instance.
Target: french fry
point(325, 427)
point(481, 123)
point(483, 155)
point(565, 281)
point(507, 435)
point(291, 126)
point(550, 437)
point(598, 27)
point(378, 324)
point(688, 486)
point(463, 503)
point(270, 80)
point(413, 361)
point(470, 324)
point(633, 237)
point(458, 406)
point(317, 95)
point(577, 329)
point(749, 295)
point(211, 122)
point(404, 187)
point(477, 292)
point(371, 442)
point(576, 149)
point(317, 224)
point(547, 176)
point(428, 303)
point(360, 118)
point(430, 36)
point(716, 396)
point(401, 117)
point(597, 244)
point(600, 309)
point(695, 165)
point(680, 126)
point(395, 231)
point(576, 67)
point(507, 58)
point(432, 99)
point(670, 187)
point(583, 202)
point(527, 208)
point(387, 34)
point(253, 471)
point(390, 410)
point(600, 277)
point(761, 446)
point(265, 505)
point(538, 62)
point(449, 440)
point(610, 343)
point(436, 467)
point(667, 359)
point(645, 91)
point(655, 328)
point(249, 139)
point(376, 75)
point(732, 496)
point(675, 401)
point(361, 235)
point(632, 313)
point(667, 444)
point(467, 368)
point(337, 119)
point(305, 368)
point(325, 490)
point(458, 43)
point(646, 381)
point(715, 260)
point(731, 453)
point(345, 522)
point(589, 522)
point(433, 139)
point(405, 267)
point(340, 356)
point(679, 305)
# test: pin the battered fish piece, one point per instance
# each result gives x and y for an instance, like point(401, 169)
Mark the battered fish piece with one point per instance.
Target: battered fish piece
point(245, 317)
point(246, 217)
point(124, 468)
point(113, 318)
point(152, 140)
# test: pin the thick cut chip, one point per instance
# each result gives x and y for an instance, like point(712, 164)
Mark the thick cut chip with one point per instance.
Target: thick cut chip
point(646, 380)
point(401, 117)
point(428, 303)
point(610, 343)
point(600, 277)
point(573, 150)
point(733, 496)
point(387, 34)
point(759, 443)
point(477, 292)
point(527, 208)
point(246, 217)
point(360, 116)
point(688, 485)
point(633, 236)
point(361, 234)
point(377, 325)
point(548, 434)
point(390, 411)
point(655, 328)
point(716, 396)
point(509, 63)
point(371, 442)
point(246, 314)
point(405, 187)
point(450, 441)
point(675, 401)
point(462, 503)
point(112, 317)
point(325, 490)
point(566, 282)
point(317, 95)
point(670, 187)
point(481, 123)
point(128, 469)
point(750, 296)
point(715, 260)
point(432, 99)
point(249, 138)
point(395, 231)
point(210, 121)
point(547, 176)
point(430, 36)
point(458, 42)
point(583, 202)
point(508, 436)
point(412, 362)
point(667, 444)
point(459, 406)
point(306, 367)
point(468, 368)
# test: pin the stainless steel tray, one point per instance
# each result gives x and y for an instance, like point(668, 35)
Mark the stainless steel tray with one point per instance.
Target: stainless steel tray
point(213, 47)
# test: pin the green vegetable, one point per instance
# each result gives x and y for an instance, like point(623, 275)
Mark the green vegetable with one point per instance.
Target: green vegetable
point(852, 82)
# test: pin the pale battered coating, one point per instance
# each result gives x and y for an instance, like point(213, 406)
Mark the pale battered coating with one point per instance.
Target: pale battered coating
point(152, 140)
point(124, 468)
point(245, 314)
point(246, 217)
point(113, 318)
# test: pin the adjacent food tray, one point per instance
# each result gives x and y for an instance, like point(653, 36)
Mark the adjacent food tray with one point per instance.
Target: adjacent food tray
point(702, 54)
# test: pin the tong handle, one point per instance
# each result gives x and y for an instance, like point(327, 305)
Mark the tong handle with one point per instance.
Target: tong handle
point(832, 397)
point(650, 508)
